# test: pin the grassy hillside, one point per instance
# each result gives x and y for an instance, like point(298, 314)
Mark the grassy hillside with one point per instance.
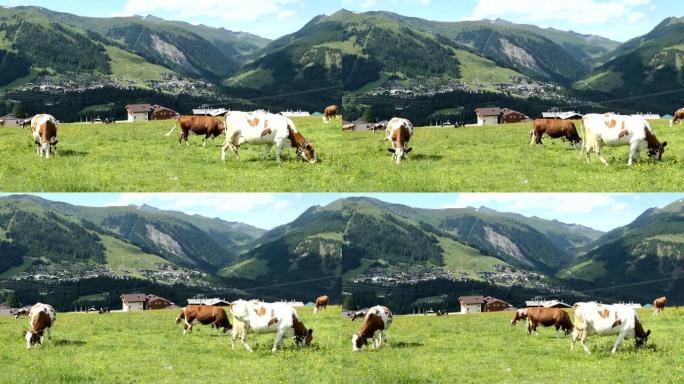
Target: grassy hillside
point(118, 348)
point(111, 158)
point(486, 348)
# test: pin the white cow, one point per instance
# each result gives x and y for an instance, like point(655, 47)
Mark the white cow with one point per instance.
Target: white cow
point(377, 320)
point(261, 128)
point(617, 130)
point(44, 130)
point(399, 133)
point(278, 318)
point(607, 320)
point(41, 318)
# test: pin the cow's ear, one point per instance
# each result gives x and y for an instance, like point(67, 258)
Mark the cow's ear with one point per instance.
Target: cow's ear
point(665, 144)
point(310, 332)
point(409, 150)
point(391, 150)
point(648, 333)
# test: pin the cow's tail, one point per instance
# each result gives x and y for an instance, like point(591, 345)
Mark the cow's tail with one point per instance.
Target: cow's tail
point(172, 128)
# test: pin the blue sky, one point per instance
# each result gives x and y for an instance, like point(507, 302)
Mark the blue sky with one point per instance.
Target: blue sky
point(617, 19)
point(266, 210)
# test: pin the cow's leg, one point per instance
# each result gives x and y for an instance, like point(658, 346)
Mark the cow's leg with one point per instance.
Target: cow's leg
point(228, 143)
point(243, 338)
point(633, 151)
point(618, 342)
point(267, 151)
point(583, 341)
point(49, 332)
point(383, 338)
point(600, 156)
point(278, 340)
point(279, 151)
point(187, 328)
point(204, 145)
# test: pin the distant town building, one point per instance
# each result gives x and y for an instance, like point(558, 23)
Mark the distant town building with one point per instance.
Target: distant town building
point(295, 114)
point(146, 112)
point(547, 303)
point(209, 302)
point(141, 302)
point(569, 115)
point(474, 304)
point(10, 121)
point(495, 116)
point(205, 111)
point(648, 116)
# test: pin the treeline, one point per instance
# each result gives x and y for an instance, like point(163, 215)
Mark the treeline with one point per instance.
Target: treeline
point(12, 66)
point(54, 238)
point(55, 46)
point(387, 239)
point(63, 296)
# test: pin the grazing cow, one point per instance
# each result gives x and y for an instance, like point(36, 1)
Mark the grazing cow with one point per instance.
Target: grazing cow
point(321, 303)
point(44, 129)
point(399, 132)
point(199, 125)
point(240, 330)
point(261, 128)
point(547, 317)
point(278, 318)
point(659, 305)
point(616, 130)
point(204, 315)
point(377, 321)
point(41, 318)
point(26, 123)
point(330, 113)
point(678, 117)
point(554, 129)
point(605, 320)
point(22, 312)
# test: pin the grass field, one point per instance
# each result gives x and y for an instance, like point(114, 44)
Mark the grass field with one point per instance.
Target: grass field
point(137, 157)
point(150, 348)
point(500, 159)
point(485, 348)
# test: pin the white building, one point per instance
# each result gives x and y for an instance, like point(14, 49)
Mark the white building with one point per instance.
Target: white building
point(133, 302)
point(138, 112)
point(295, 114)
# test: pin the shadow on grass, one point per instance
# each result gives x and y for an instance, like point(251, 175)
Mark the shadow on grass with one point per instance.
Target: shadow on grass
point(421, 157)
point(71, 153)
point(69, 343)
point(403, 344)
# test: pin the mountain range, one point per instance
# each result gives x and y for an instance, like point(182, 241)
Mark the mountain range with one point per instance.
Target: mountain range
point(349, 241)
point(368, 54)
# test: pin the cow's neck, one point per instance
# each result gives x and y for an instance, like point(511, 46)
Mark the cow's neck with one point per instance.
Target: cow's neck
point(298, 327)
point(373, 324)
point(296, 138)
point(651, 139)
point(639, 329)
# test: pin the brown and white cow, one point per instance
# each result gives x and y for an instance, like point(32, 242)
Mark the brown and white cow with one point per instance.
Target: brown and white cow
point(279, 318)
point(547, 317)
point(330, 113)
point(199, 125)
point(204, 315)
point(678, 117)
point(607, 320)
point(659, 305)
point(41, 318)
point(321, 304)
point(399, 133)
point(377, 321)
point(44, 130)
point(555, 129)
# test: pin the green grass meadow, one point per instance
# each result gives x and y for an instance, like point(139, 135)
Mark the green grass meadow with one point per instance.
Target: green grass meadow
point(148, 347)
point(482, 348)
point(500, 159)
point(138, 158)
point(485, 348)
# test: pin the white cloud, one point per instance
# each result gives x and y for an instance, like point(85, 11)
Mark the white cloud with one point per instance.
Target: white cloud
point(221, 203)
point(535, 203)
point(225, 10)
point(575, 12)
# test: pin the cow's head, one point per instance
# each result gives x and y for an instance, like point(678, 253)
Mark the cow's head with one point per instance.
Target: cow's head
point(304, 340)
point(33, 338)
point(358, 341)
point(656, 151)
point(519, 315)
point(180, 317)
point(399, 153)
point(307, 153)
point(642, 339)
